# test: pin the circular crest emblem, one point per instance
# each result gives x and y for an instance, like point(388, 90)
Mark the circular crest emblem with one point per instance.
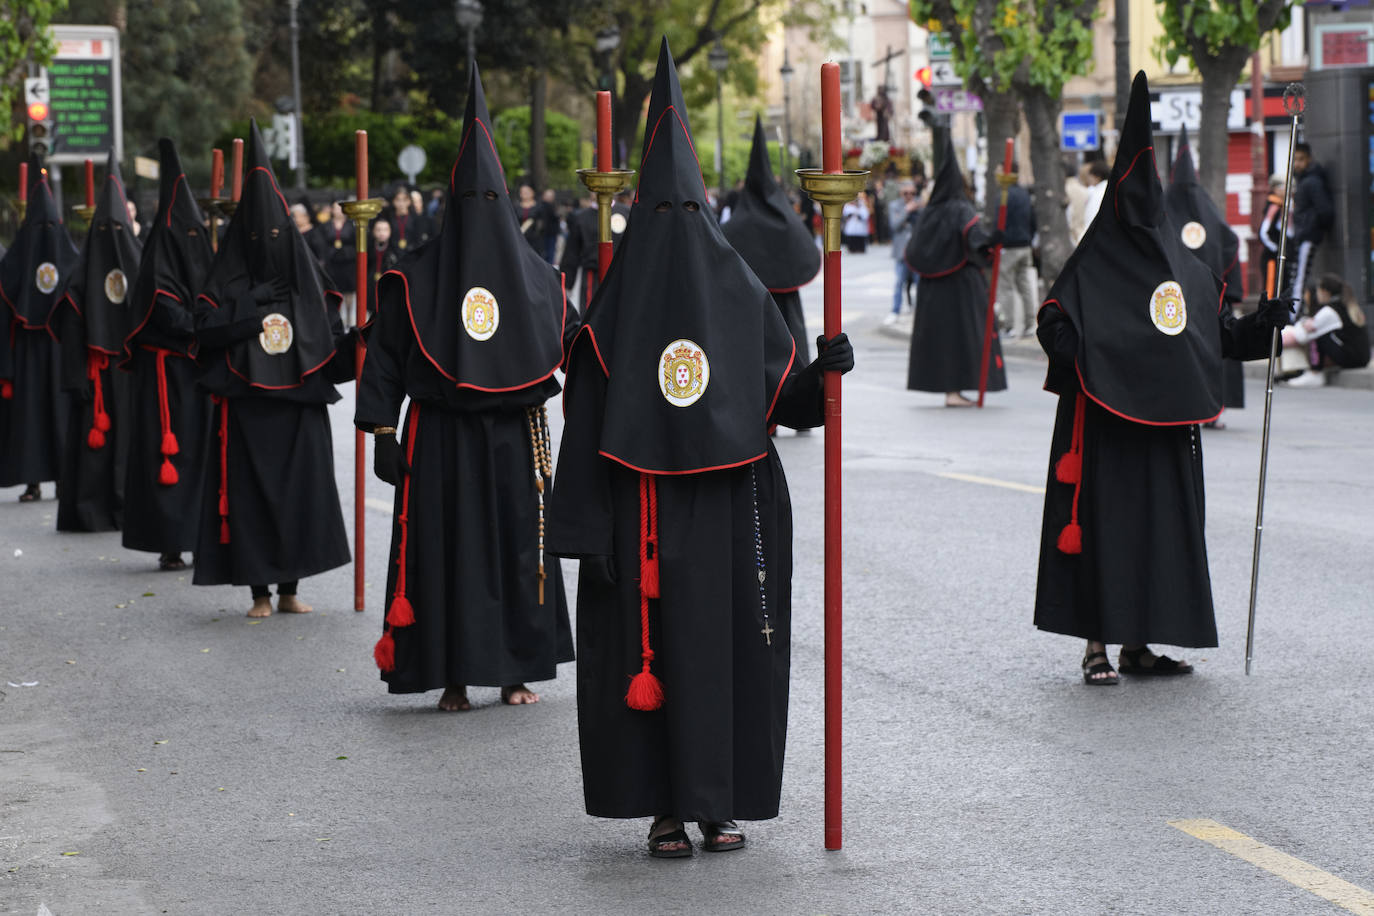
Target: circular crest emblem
point(1167, 308)
point(618, 223)
point(481, 315)
point(684, 373)
point(45, 277)
point(276, 334)
point(1194, 235)
point(116, 285)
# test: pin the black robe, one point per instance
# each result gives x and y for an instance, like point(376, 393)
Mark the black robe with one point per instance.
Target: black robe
point(270, 504)
point(33, 274)
point(653, 444)
point(92, 322)
point(466, 552)
point(948, 249)
point(164, 479)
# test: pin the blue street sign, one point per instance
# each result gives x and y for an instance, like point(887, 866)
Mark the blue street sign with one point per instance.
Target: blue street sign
point(1078, 131)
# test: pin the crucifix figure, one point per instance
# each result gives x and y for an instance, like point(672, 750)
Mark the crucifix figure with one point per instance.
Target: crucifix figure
point(767, 632)
point(882, 105)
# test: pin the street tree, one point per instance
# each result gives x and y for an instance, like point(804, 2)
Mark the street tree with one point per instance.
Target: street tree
point(24, 40)
point(1011, 51)
point(1217, 37)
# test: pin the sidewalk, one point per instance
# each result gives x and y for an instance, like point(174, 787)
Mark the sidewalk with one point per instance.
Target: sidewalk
point(1029, 348)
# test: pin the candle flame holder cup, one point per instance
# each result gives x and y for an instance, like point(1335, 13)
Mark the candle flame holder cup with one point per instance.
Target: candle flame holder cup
point(362, 212)
point(832, 190)
point(605, 185)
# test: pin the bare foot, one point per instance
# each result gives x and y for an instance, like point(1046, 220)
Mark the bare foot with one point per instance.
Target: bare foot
point(262, 607)
point(290, 604)
point(518, 695)
point(455, 699)
point(955, 399)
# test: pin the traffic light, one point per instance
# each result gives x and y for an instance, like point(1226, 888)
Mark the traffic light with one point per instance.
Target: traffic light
point(923, 76)
point(40, 129)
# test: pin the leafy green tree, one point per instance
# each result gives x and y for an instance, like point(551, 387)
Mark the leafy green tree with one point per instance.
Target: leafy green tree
point(185, 73)
point(1218, 37)
point(1011, 51)
point(24, 39)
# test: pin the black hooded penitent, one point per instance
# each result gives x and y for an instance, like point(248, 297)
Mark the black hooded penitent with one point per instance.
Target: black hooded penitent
point(1143, 306)
point(486, 309)
point(107, 270)
point(766, 231)
point(1200, 225)
point(262, 244)
point(938, 246)
point(693, 348)
point(35, 269)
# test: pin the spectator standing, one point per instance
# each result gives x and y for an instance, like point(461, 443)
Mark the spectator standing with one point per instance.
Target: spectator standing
point(902, 216)
point(855, 229)
point(1077, 197)
point(1313, 212)
point(1017, 281)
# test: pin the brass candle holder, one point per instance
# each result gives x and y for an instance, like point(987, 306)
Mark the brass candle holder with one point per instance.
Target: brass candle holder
point(362, 212)
point(227, 207)
point(23, 206)
point(85, 214)
point(832, 191)
point(605, 185)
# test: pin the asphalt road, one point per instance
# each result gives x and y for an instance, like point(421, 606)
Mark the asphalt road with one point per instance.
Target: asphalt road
point(174, 756)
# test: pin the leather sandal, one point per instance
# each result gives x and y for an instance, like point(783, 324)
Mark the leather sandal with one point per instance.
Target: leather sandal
point(1144, 662)
point(714, 836)
point(31, 494)
point(659, 845)
point(1103, 668)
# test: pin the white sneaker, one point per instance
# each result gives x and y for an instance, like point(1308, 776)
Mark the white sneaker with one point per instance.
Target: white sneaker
point(1309, 379)
point(890, 318)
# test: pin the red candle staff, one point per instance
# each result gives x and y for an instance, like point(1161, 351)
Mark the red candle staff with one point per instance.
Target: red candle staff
point(90, 184)
point(1006, 179)
point(236, 177)
point(212, 203)
point(216, 172)
point(362, 211)
point(832, 187)
point(23, 189)
point(605, 181)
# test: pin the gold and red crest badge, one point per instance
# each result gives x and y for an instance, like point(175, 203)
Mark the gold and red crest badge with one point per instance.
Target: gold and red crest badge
point(1168, 311)
point(45, 277)
point(481, 314)
point(276, 334)
point(1193, 234)
point(116, 286)
point(684, 373)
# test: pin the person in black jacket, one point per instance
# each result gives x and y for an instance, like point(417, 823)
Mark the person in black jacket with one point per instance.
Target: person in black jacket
point(1017, 283)
point(1313, 211)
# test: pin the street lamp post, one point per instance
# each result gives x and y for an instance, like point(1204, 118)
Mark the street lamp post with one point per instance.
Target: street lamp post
point(719, 59)
point(786, 73)
point(469, 16)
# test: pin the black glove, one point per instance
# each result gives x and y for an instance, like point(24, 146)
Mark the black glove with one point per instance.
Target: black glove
point(387, 461)
point(834, 355)
point(272, 290)
point(1276, 313)
point(996, 237)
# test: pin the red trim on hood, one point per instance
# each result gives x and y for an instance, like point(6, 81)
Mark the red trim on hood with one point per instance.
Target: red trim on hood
point(690, 145)
point(720, 467)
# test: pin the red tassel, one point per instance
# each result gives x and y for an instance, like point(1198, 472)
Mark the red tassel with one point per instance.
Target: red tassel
point(224, 504)
point(1071, 538)
point(224, 531)
point(168, 475)
point(102, 422)
point(1069, 468)
point(401, 613)
point(385, 652)
point(645, 693)
point(648, 577)
point(6, 390)
point(95, 439)
point(169, 443)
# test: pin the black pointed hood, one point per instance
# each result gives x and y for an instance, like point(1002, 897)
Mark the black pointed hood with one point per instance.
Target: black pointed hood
point(487, 310)
point(766, 231)
point(692, 346)
point(1200, 225)
point(107, 270)
point(939, 244)
point(1145, 308)
point(176, 256)
point(36, 267)
point(261, 244)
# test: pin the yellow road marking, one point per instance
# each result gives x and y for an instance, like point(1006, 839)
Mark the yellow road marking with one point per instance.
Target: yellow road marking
point(991, 482)
point(1294, 871)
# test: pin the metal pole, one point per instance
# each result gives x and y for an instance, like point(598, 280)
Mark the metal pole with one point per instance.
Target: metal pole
point(296, 95)
point(1294, 103)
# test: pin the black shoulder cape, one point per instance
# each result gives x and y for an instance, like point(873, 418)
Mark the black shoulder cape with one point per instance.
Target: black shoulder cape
point(1143, 306)
point(176, 250)
point(1200, 225)
point(937, 246)
point(262, 243)
point(35, 268)
point(766, 231)
point(693, 349)
point(487, 311)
